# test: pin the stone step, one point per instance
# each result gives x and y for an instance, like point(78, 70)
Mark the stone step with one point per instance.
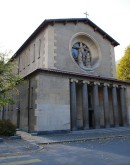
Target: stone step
point(102, 130)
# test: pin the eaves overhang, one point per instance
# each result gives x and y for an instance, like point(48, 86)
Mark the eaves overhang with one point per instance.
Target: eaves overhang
point(79, 76)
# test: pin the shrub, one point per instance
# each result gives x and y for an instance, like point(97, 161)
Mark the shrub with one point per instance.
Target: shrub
point(7, 128)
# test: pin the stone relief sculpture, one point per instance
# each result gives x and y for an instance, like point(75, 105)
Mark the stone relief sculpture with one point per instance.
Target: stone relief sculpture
point(81, 55)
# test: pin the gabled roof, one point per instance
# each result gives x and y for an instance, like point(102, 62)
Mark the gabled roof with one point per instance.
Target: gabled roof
point(45, 23)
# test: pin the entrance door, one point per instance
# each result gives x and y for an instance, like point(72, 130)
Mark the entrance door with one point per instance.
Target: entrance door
point(91, 119)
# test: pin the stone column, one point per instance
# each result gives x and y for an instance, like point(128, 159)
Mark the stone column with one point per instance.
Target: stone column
point(96, 105)
point(115, 105)
point(106, 105)
point(73, 104)
point(123, 105)
point(85, 104)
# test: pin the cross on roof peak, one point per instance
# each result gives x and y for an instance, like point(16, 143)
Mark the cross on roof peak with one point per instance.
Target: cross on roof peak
point(86, 14)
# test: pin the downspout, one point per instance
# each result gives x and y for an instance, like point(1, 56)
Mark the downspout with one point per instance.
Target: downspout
point(18, 113)
point(29, 84)
point(18, 105)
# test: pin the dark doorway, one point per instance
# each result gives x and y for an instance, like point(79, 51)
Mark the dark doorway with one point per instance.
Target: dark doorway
point(18, 117)
point(91, 119)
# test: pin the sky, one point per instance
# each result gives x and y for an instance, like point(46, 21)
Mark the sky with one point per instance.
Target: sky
point(20, 18)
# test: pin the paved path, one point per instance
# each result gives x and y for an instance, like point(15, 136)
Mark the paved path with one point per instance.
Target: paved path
point(77, 135)
point(30, 143)
point(95, 152)
point(17, 147)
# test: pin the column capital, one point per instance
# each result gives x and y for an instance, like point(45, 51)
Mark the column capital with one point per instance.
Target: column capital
point(85, 81)
point(73, 80)
point(96, 83)
point(123, 87)
point(114, 85)
point(106, 84)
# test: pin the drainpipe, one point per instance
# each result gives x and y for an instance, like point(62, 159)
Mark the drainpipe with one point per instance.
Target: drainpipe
point(29, 84)
point(18, 113)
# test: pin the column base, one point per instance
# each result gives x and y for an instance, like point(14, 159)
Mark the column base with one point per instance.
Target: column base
point(125, 124)
point(85, 128)
point(97, 127)
point(107, 126)
point(117, 125)
point(74, 129)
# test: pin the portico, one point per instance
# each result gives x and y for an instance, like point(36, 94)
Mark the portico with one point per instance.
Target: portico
point(97, 112)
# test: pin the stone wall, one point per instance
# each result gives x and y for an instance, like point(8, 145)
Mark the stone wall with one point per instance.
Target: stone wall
point(44, 104)
point(52, 49)
point(9, 111)
point(53, 103)
point(21, 113)
point(63, 37)
point(33, 56)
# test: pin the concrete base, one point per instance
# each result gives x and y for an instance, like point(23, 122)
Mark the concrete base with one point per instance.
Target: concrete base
point(53, 132)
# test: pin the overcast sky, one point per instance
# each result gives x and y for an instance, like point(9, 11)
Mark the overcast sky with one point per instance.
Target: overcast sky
point(19, 18)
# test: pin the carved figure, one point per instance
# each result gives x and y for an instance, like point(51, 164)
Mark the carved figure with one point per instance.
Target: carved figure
point(88, 60)
point(81, 54)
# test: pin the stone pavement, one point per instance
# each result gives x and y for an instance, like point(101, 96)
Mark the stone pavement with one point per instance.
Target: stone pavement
point(29, 142)
point(82, 135)
point(16, 147)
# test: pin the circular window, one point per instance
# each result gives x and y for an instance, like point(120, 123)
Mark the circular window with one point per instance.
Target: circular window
point(85, 51)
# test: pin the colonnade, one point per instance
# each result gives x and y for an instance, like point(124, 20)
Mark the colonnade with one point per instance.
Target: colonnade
point(96, 103)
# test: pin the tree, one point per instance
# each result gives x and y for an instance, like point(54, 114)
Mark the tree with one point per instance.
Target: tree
point(8, 79)
point(123, 67)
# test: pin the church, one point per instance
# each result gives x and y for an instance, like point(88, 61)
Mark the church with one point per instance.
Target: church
point(70, 80)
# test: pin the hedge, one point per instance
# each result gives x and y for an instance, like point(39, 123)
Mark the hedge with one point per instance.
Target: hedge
point(7, 128)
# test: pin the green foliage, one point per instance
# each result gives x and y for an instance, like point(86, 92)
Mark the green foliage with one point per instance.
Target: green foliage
point(7, 128)
point(8, 79)
point(123, 67)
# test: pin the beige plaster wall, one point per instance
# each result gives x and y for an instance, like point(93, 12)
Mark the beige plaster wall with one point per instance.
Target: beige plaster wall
point(52, 49)
point(33, 56)
point(64, 61)
point(53, 103)
point(24, 98)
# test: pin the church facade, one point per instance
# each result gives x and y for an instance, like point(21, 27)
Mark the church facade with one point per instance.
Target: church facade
point(69, 68)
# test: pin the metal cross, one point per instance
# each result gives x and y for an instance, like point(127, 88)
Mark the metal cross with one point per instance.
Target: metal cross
point(86, 14)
